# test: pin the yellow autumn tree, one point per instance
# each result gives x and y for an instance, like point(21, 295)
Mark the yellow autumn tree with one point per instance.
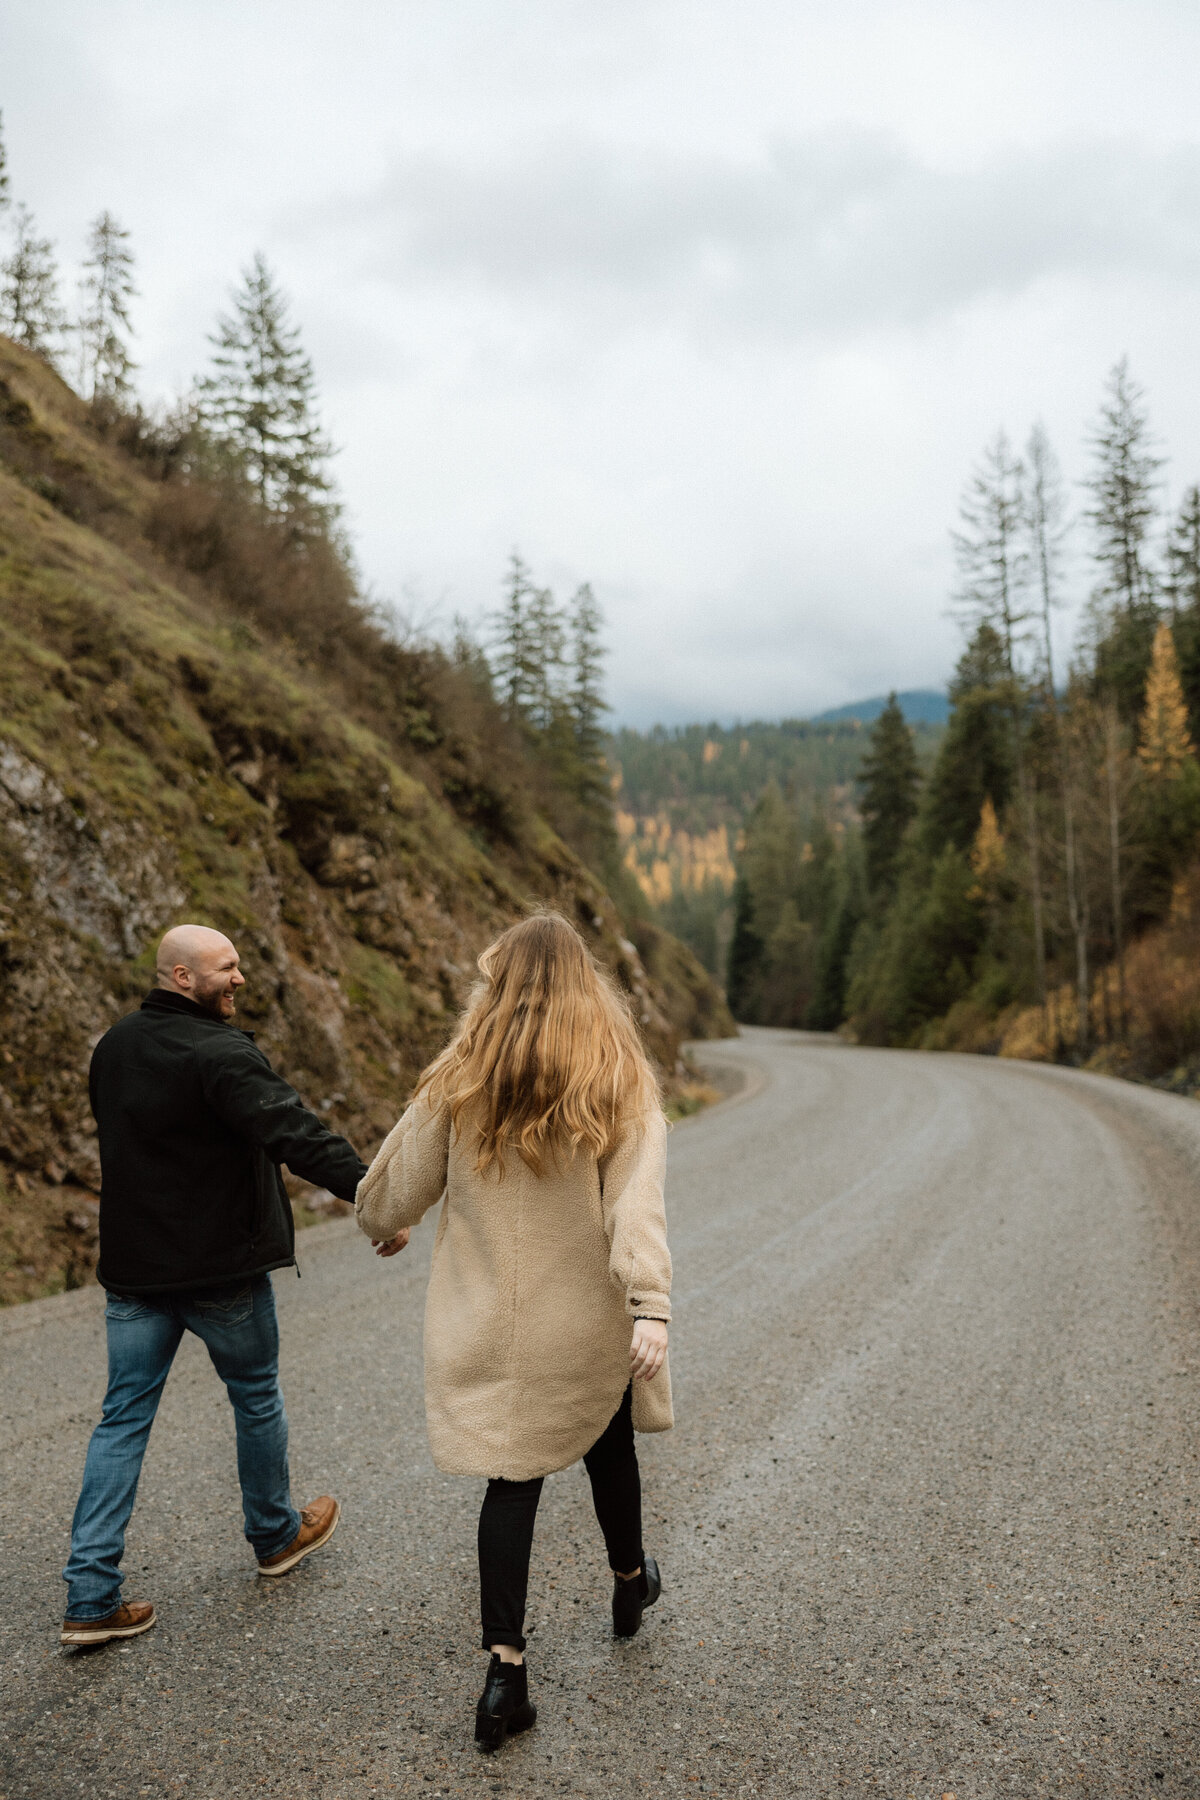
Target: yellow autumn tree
point(1163, 741)
point(987, 853)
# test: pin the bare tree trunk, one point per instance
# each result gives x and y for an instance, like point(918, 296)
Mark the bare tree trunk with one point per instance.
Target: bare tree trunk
point(1033, 846)
point(1112, 728)
point(1078, 913)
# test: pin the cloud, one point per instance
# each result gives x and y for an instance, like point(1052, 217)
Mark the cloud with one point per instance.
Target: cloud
point(830, 234)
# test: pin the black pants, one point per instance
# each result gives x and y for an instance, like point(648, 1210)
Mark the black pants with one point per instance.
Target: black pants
point(506, 1527)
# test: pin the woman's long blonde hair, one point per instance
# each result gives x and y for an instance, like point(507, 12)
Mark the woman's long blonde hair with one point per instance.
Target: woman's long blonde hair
point(546, 1054)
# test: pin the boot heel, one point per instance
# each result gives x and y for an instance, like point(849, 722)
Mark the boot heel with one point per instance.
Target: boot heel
point(489, 1734)
point(504, 1706)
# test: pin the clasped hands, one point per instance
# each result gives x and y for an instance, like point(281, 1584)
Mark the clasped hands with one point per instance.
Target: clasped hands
point(389, 1246)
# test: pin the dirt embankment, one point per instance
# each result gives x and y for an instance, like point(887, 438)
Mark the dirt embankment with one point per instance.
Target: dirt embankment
point(361, 829)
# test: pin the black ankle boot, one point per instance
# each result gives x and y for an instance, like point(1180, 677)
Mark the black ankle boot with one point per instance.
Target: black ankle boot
point(504, 1706)
point(631, 1598)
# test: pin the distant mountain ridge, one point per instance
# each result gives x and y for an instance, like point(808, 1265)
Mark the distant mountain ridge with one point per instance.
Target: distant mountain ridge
point(923, 706)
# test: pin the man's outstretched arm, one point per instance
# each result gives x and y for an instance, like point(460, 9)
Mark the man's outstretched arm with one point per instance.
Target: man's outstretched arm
point(243, 1089)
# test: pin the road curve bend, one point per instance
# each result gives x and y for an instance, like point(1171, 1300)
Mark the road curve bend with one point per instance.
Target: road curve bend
point(928, 1525)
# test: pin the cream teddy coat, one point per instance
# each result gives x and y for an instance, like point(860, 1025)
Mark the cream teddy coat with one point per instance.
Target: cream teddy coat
point(535, 1284)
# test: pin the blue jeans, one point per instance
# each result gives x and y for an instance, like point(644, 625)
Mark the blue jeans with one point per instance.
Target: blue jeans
point(240, 1331)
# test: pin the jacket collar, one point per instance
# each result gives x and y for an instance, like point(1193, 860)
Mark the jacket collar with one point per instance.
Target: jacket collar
point(166, 1000)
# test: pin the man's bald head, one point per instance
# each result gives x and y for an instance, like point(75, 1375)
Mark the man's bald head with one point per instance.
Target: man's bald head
point(202, 964)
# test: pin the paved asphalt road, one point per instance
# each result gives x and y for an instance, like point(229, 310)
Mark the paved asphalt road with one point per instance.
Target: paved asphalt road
point(928, 1524)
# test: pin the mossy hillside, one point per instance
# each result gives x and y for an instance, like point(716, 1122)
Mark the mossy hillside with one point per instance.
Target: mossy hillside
point(161, 757)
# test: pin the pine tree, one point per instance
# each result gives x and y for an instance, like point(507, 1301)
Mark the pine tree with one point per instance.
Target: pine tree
point(975, 757)
point(994, 571)
point(743, 970)
point(771, 858)
point(588, 704)
point(104, 327)
point(30, 310)
point(1181, 575)
point(259, 402)
point(1123, 485)
point(827, 1008)
point(586, 699)
point(546, 638)
point(1181, 585)
point(514, 665)
point(1163, 740)
point(5, 196)
point(890, 779)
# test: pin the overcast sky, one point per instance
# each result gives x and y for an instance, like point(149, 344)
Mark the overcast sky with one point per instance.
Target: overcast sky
point(711, 302)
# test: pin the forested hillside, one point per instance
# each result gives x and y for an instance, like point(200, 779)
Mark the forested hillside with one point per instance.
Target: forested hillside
point(200, 718)
point(685, 796)
point(1035, 892)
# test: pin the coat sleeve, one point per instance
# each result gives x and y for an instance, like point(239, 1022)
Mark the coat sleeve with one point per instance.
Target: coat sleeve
point(631, 1193)
point(408, 1175)
point(243, 1090)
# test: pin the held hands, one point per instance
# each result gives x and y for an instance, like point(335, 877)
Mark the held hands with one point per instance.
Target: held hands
point(392, 1245)
point(648, 1351)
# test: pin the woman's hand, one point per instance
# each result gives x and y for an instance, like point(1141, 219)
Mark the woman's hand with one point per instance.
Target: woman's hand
point(648, 1351)
point(392, 1245)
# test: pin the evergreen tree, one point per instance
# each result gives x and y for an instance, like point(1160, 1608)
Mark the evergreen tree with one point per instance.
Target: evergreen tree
point(789, 969)
point(514, 663)
point(743, 970)
point(5, 196)
point(30, 311)
point(827, 1008)
point(994, 569)
point(1181, 575)
point(259, 400)
point(104, 327)
point(975, 759)
point(771, 858)
point(890, 779)
point(588, 704)
point(546, 637)
point(1181, 585)
point(1167, 813)
point(586, 699)
point(1123, 484)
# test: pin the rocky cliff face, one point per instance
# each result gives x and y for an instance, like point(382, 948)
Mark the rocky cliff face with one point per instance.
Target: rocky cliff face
point(162, 758)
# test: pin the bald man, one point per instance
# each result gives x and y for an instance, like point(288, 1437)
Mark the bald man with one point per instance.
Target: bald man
point(193, 1125)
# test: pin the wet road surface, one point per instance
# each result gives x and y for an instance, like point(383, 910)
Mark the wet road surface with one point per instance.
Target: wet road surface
point(928, 1525)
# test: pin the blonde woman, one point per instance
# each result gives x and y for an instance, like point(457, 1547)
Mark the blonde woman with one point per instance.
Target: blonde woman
point(546, 1318)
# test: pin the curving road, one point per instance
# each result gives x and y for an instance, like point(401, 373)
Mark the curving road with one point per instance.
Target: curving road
point(929, 1525)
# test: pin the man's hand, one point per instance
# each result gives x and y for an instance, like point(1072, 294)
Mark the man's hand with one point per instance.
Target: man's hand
point(392, 1245)
point(648, 1351)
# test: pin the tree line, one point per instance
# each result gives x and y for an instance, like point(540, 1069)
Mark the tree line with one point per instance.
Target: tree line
point(1061, 810)
point(251, 416)
point(253, 507)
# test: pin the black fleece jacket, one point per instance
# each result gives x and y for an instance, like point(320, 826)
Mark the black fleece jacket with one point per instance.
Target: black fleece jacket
point(193, 1124)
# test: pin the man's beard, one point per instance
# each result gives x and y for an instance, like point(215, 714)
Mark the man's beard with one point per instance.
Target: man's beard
point(210, 1003)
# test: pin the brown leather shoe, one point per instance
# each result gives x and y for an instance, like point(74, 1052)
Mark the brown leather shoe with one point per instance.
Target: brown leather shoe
point(130, 1618)
point(318, 1523)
